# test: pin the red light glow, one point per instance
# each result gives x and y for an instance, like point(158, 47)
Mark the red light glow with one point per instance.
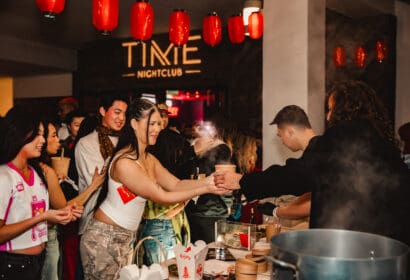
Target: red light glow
point(188, 96)
point(173, 111)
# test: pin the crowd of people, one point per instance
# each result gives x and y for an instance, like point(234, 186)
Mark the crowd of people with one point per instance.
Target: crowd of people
point(351, 177)
point(133, 173)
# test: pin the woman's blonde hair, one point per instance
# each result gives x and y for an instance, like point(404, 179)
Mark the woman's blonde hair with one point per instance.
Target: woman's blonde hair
point(244, 152)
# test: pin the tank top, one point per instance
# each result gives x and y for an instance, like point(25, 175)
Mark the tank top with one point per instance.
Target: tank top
point(123, 206)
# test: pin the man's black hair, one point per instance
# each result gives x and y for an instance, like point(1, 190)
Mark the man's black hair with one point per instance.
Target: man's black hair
point(293, 115)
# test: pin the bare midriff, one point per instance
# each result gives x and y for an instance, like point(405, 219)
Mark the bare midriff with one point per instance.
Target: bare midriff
point(35, 250)
point(100, 216)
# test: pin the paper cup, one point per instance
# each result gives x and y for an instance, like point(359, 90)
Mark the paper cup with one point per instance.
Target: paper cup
point(60, 165)
point(225, 167)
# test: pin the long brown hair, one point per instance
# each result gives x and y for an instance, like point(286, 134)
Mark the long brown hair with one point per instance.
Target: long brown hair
point(355, 100)
point(244, 150)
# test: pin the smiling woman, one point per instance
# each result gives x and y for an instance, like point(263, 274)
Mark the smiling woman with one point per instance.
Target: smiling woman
point(134, 176)
point(24, 210)
point(57, 199)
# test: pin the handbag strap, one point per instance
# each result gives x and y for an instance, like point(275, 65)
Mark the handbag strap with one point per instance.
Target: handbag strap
point(137, 247)
point(175, 210)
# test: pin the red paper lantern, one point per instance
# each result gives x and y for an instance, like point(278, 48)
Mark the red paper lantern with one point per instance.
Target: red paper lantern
point(179, 27)
point(339, 56)
point(212, 29)
point(360, 56)
point(381, 51)
point(50, 8)
point(236, 29)
point(255, 25)
point(142, 21)
point(105, 15)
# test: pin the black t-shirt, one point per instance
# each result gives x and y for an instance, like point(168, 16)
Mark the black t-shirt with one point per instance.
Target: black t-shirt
point(292, 178)
point(361, 182)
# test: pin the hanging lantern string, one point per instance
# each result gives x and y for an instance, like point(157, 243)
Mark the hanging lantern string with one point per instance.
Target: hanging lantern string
point(142, 21)
point(179, 27)
point(381, 51)
point(255, 25)
point(105, 15)
point(236, 29)
point(212, 29)
point(360, 56)
point(339, 56)
point(50, 8)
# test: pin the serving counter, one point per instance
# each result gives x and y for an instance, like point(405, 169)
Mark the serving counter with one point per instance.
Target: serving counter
point(214, 268)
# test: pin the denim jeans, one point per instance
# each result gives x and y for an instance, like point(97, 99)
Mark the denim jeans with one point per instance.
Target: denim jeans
point(164, 232)
point(51, 263)
point(19, 266)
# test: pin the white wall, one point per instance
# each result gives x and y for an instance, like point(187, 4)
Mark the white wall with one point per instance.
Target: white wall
point(293, 67)
point(43, 86)
point(403, 64)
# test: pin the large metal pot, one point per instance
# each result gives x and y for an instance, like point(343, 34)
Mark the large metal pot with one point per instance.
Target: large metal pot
point(337, 254)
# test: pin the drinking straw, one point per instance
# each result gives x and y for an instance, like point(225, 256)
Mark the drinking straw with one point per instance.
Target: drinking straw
point(62, 153)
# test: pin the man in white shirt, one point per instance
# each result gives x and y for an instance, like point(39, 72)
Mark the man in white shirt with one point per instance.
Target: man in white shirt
point(96, 148)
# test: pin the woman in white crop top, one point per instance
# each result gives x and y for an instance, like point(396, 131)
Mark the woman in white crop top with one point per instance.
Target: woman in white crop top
point(134, 176)
point(24, 206)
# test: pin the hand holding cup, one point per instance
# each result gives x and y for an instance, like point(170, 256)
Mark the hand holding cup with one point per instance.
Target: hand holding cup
point(227, 177)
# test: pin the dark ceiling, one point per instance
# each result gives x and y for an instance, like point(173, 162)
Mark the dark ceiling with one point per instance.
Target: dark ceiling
point(73, 29)
point(21, 20)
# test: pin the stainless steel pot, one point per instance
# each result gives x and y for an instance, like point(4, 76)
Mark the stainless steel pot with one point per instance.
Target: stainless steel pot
point(337, 254)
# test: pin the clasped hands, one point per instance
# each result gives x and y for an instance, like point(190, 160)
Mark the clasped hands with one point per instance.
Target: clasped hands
point(226, 180)
point(64, 215)
point(229, 181)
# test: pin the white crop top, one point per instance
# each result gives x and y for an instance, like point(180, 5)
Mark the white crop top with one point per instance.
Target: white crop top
point(123, 206)
point(21, 199)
